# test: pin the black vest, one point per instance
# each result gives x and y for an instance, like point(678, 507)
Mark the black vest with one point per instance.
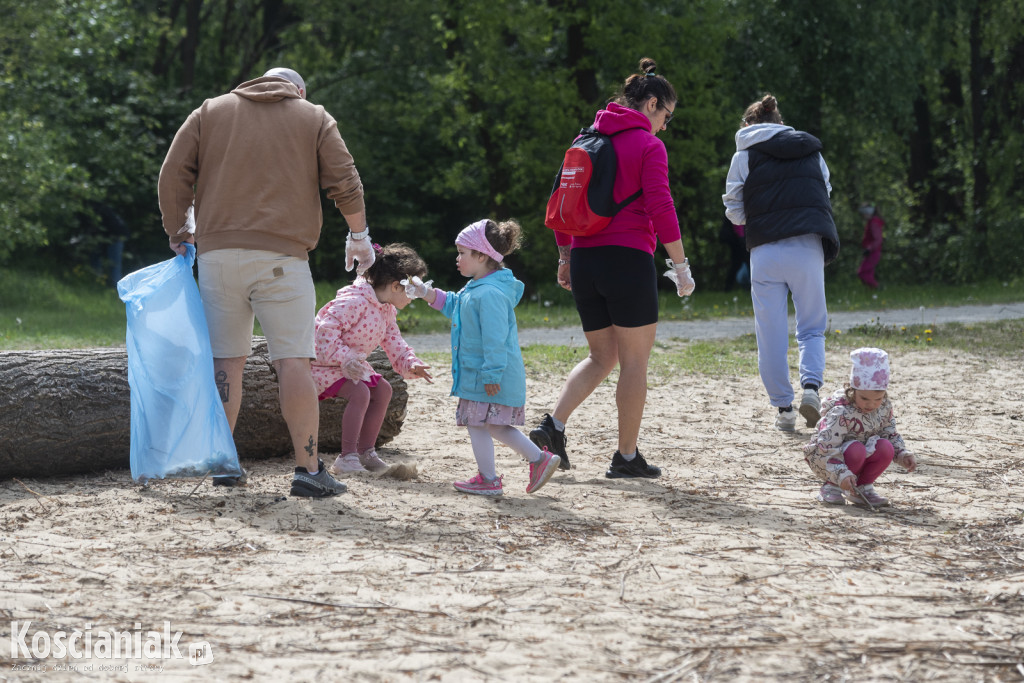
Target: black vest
point(785, 195)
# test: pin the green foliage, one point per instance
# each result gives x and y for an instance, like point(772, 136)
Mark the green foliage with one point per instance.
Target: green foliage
point(460, 109)
point(79, 118)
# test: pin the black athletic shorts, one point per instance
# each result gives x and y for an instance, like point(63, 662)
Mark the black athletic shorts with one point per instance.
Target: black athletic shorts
point(614, 285)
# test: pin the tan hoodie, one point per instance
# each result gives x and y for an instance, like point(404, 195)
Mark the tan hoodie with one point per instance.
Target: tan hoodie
point(257, 158)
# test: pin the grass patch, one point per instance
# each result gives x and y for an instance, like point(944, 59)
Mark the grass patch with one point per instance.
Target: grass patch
point(672, 361)
point(1004, 338)
point(40, 311)
point(44, 312)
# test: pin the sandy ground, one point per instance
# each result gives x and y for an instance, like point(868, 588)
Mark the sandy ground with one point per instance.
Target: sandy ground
point(725, 569)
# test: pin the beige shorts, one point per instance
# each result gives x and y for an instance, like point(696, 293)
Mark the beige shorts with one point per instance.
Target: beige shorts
point(240, 285)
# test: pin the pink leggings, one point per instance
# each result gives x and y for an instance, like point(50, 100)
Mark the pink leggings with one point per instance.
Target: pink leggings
point(364, 414)
point(868, 467)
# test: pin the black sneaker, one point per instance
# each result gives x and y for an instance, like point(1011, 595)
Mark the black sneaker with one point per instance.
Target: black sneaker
point(319, 485)
point(637, 467)
point(230, 480)
point(546, 436)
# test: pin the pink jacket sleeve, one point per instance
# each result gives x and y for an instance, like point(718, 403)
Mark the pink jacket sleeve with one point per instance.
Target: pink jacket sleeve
point(657, 195)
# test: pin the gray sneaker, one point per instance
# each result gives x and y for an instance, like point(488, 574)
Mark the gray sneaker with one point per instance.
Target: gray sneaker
point(810, 407)
point(785, 421)
point(319, 485)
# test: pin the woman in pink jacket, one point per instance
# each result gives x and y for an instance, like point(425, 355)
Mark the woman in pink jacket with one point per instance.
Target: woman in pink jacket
point(362, 317)
point(613, 276)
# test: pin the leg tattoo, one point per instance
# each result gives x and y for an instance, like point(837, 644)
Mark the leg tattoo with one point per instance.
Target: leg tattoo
point(223, 387)
point(310, 448)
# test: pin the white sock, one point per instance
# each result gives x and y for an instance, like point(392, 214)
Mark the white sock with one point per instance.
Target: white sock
point(628, 458)
point(519, 442)
point(559, 425)
point(483, 451)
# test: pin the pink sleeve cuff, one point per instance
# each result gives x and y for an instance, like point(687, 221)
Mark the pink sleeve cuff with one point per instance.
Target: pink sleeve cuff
point(439, 300)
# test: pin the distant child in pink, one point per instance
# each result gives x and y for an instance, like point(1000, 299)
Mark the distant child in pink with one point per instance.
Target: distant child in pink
point(856, 439)
point(362, 317)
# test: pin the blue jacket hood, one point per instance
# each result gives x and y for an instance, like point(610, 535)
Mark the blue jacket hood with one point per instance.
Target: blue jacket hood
point(505, 281)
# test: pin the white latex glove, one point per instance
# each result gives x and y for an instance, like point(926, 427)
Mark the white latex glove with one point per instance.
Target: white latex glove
point(680, 274)
point(190, 221)
point(415, 288)
point(869, 446)
point(357, 368)
point(360, 250)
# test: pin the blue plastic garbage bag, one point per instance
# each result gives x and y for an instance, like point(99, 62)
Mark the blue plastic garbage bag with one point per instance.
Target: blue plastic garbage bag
point(178, 428)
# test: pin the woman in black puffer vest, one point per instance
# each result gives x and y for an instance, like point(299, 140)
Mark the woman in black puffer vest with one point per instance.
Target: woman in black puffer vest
point(778, 187)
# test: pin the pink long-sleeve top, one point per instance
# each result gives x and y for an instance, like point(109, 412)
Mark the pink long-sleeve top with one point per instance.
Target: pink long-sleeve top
point(354, 323)
point(643, 163)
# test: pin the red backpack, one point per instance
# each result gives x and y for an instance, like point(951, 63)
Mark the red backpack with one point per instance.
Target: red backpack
point(581, 202)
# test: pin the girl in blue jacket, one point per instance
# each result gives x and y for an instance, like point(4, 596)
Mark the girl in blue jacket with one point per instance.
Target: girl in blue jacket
point(487, 366)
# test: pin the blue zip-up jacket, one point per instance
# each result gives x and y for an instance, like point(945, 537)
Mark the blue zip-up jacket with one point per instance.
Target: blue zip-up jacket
point(485, 339)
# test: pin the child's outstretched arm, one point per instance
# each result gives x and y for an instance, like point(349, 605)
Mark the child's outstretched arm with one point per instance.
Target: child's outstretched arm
point(415, 288)
point(403, 358)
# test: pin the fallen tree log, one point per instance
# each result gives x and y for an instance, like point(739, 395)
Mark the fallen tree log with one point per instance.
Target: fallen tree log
point(69, 411)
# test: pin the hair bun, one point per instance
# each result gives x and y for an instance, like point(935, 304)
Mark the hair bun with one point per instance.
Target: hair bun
point(769, 103)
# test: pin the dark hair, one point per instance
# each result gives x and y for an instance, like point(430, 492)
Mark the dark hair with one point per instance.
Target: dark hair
point(642, 86)
point(506, 237)
point(394, 263)
point(765, 110)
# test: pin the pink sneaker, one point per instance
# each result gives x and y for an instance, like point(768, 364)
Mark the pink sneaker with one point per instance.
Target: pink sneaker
point(371, 461)
point(866, 497)
point(346, 464)
point(480, 486)
point(542, 470)
point(831, 494)
point(873, 497)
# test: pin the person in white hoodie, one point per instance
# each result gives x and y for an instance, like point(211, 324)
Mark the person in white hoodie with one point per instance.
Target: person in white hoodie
point(778, 187)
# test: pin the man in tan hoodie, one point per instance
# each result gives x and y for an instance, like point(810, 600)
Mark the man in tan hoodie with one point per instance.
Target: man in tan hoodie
point(250, 164)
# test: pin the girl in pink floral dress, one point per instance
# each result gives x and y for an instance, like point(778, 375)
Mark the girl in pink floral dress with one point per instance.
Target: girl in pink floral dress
point(856, 439)
point(362, 317)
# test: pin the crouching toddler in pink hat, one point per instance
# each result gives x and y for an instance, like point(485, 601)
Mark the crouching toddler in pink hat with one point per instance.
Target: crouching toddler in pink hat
point(856, 439)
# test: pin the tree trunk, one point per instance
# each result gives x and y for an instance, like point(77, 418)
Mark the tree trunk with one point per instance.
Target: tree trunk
point(69, 411)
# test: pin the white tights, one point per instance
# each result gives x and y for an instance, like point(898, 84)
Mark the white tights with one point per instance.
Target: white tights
point(482, 439)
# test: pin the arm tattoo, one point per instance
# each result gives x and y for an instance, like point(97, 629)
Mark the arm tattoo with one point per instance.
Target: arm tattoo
point(563, 251)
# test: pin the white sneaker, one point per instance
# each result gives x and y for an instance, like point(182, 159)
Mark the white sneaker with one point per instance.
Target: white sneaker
point(786, 421)
point(347, 464)
point(810, 407)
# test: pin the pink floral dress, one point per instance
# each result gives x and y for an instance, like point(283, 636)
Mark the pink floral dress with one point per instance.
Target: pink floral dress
point(840, 425)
